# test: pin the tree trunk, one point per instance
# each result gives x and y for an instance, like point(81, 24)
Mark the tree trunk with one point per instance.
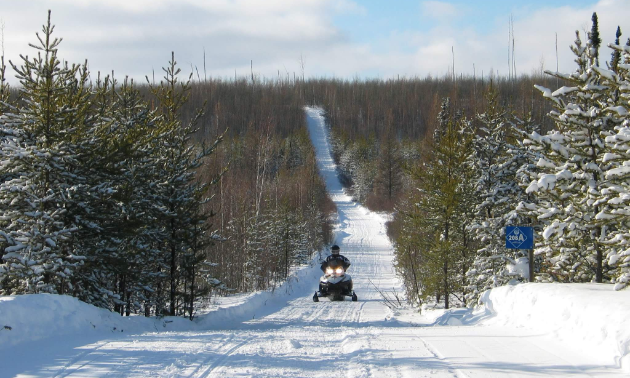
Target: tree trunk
point(445, 268)
point(116, 305)
point(445, 271)
point(192, 292)
point(415, 278)
point(128, 308)
point(599, 274)
point(173, 268)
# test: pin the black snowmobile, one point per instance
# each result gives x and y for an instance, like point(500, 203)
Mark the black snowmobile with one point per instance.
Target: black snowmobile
point(335, 283)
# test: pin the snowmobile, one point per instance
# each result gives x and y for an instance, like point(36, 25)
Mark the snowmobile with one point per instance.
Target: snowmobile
point(336, 284)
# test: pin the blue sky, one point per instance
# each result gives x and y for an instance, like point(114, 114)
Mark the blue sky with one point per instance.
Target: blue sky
point(335, 38)
point(383, 17)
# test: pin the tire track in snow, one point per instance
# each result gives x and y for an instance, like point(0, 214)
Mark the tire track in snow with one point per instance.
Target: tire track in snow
point(359, 312)
point(316, 314)
point(209, 358)
point(219, 362)
point(66, 371)
point(457, 373)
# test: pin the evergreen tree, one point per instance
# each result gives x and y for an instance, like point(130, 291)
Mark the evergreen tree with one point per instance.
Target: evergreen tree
point(443, 183)
point(119, 267)
point(497, 160)
point(594, 39)
point(570, 181)
point(179, 199)
point(614, 203)
point(44, 187)
point(615, 58)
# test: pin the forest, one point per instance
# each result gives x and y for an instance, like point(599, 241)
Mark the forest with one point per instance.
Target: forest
point(150, 198)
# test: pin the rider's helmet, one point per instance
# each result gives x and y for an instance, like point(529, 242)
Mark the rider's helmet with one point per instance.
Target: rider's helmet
point(335, 249)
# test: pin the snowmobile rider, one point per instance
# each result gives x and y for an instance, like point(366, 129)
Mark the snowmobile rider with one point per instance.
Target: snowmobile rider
point(335, 259)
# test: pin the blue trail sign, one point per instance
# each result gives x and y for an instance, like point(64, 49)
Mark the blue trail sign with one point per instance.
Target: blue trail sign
point(519, 237)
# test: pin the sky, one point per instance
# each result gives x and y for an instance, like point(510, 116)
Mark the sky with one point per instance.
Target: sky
point(318, 38)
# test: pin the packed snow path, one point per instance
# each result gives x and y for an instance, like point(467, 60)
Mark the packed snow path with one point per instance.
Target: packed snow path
point(294, 337)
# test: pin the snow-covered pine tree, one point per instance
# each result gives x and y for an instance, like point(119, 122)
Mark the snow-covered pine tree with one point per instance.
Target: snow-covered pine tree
point(309, 232)
point(118, 239)
point(572, 165)
point(43, 187)
point(178, 204)
point(497, 160)
point(87, 237)
point(615, 201)
point(258, 228)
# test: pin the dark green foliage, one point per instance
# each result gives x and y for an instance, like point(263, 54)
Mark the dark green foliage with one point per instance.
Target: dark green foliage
point(594, 39)
point(615, 57)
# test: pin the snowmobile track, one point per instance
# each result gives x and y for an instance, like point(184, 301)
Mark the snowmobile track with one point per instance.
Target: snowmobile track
point(218, 363)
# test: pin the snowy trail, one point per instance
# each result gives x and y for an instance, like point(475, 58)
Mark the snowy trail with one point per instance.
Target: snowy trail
point(295, 337)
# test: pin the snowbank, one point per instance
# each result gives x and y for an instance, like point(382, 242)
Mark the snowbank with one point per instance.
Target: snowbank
point(25, 318)
point(592, 315)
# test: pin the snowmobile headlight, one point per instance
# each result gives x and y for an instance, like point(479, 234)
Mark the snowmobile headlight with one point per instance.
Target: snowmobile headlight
point(339, 270)
point(329, 271)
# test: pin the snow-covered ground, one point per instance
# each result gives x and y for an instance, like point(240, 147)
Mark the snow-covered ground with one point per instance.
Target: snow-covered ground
point(527, 330)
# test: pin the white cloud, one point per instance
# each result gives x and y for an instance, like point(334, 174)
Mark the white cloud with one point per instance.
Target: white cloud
point(439, 10)
point(535, 36)
point(534, 32)
point(136, 36)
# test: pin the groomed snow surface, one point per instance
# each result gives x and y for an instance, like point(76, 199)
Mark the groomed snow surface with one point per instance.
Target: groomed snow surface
point(526, 330)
